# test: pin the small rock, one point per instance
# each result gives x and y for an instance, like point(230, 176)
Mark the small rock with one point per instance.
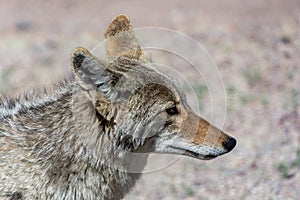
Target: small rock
point(285, 39)
point(23, 25)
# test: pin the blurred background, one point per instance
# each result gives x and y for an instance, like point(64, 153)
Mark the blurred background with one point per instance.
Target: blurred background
point(256, 46)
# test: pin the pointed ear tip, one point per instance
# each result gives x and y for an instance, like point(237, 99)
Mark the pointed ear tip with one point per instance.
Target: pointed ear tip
point(80, 51)
point(122, 17)
point(118, 24)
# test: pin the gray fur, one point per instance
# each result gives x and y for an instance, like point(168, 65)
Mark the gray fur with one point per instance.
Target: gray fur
point(54, 147)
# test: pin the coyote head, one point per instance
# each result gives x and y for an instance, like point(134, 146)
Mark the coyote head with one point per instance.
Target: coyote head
point(138, 108)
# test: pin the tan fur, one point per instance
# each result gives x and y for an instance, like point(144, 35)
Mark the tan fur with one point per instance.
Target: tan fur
point(121, 41)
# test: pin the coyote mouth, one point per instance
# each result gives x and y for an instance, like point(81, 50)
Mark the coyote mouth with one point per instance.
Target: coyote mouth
point(193, 154)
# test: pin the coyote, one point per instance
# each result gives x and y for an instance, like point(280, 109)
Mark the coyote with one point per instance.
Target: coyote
point(89, 137)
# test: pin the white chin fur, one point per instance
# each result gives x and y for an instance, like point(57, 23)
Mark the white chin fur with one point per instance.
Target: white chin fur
point(177, 146)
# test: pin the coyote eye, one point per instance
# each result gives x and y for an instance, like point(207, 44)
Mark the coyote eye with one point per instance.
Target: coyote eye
point(172, 111)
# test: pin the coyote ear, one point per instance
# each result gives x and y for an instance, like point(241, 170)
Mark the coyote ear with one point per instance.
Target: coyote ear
point(121, 41)
point(90, 73)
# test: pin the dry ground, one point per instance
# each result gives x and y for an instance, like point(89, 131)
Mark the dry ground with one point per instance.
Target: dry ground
point(256, 46)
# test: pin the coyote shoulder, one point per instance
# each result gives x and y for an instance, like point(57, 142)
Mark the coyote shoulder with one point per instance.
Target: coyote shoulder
point(89, 137)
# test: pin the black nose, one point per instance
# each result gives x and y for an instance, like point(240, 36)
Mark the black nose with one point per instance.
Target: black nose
point(229, 144)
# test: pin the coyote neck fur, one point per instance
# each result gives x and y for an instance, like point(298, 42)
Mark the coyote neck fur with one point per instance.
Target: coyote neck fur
point(64, 144)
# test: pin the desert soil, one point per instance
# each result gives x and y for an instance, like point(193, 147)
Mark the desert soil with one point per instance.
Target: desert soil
point(256, 47)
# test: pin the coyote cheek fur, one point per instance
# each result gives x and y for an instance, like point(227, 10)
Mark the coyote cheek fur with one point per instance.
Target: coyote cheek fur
point(88, 138)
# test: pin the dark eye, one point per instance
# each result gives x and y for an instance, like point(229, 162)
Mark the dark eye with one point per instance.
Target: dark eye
point(172, 111)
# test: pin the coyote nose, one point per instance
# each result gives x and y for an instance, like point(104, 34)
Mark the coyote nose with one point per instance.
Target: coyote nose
point(229, 144)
